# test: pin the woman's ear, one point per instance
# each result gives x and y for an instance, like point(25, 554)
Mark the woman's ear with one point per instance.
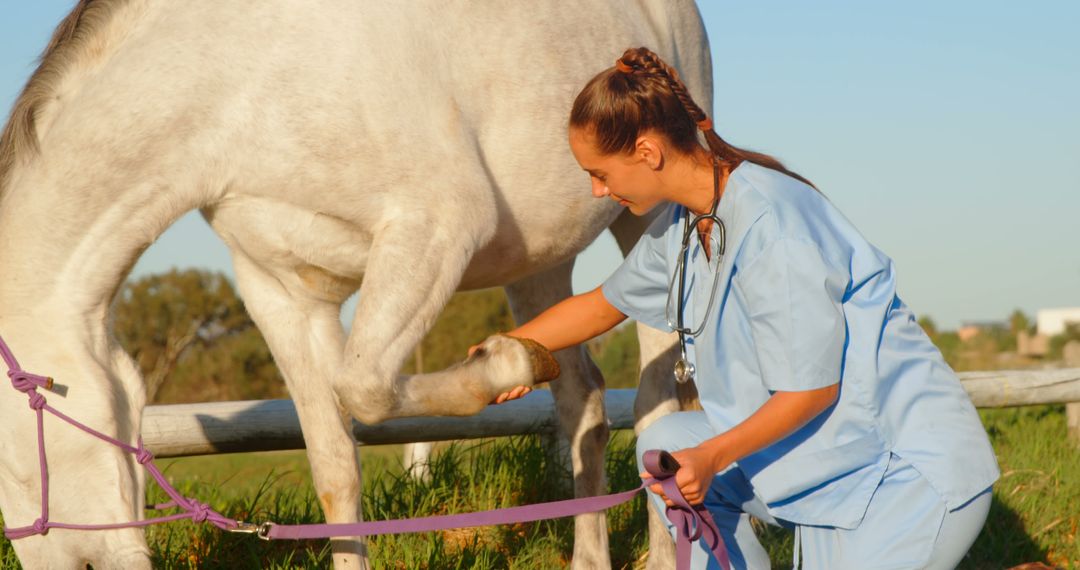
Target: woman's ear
point(650, 151)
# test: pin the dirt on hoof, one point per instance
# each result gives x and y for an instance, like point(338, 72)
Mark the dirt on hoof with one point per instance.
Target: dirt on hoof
point(544, 366)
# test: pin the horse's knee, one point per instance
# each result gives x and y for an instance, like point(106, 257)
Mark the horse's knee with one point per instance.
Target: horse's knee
point(364, 396)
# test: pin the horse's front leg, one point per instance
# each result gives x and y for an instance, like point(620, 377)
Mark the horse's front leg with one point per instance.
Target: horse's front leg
point(306, 338)
point(579, 398)
point(413, 268)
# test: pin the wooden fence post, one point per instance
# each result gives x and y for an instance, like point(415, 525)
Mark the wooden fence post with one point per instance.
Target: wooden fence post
point(1072, 417)
point(1071, 357)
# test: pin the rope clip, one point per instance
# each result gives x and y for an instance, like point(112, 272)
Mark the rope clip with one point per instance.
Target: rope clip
point(260, 530)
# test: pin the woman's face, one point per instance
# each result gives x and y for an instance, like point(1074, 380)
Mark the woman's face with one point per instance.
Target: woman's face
point(626, 178)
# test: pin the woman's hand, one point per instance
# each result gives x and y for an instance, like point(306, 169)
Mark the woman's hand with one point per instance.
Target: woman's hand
point(512, 394)
point(697, 467)
point(780, 416)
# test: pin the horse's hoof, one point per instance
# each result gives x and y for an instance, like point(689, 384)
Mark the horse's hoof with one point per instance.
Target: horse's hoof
point(544, 366)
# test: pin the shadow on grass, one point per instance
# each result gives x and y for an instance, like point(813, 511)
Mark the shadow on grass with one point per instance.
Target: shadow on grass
point(1004, 541)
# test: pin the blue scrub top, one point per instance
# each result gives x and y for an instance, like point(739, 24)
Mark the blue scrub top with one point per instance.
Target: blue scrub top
point(804, 302)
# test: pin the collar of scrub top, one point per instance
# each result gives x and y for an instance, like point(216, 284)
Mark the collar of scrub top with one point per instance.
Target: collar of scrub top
point(684, 370)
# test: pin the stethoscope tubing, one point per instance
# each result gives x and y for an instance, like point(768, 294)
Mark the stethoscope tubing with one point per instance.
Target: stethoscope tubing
point(684, 370)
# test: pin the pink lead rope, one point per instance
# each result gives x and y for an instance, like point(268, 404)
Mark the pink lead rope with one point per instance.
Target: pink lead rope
point(28, 384)
point(692, 522)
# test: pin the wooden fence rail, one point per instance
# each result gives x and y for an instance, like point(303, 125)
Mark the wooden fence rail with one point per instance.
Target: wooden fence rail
point(264, 425)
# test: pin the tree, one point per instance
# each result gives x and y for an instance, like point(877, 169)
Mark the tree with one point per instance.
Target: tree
point(929, 326)
point(1058, 341)
point(467, 319)
point(159, 318)
point(949, 344)
point(1019, 322)
point(233, 367)
point(618, 356)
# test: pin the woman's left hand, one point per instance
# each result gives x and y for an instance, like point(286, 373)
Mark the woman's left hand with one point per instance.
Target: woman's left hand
point(513, 394)
point(779, 417)
point(697, 467)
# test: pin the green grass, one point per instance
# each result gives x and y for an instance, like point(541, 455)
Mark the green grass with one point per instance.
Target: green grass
point(464, 477)
point(1036, 508)
point(1034, 515)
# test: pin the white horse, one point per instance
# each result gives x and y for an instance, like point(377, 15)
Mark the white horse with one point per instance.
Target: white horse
point(405, 149)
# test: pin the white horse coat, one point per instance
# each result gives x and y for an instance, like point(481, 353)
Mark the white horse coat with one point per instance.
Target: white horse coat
point(408, 149)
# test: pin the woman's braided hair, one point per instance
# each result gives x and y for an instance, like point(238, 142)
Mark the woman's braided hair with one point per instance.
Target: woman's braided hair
point(642, 93)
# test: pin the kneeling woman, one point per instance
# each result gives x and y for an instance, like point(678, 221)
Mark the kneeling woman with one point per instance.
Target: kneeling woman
point(826, 407)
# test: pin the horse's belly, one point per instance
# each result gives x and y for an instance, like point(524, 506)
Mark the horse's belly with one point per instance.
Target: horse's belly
point(327, 255)
point(313, 251)
point(545, 238)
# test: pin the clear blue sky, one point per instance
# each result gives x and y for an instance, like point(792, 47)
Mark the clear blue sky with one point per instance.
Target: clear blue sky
point(949, 132)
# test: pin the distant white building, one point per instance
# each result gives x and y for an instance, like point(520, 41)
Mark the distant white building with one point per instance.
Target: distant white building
point(1051, 322)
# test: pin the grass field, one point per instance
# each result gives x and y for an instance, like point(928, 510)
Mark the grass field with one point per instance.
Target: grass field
point(1034, 516)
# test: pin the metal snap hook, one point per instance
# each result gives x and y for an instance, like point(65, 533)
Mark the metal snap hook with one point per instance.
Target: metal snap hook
point(262, 530)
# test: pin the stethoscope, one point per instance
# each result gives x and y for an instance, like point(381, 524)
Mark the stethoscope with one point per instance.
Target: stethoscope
point(684, 370)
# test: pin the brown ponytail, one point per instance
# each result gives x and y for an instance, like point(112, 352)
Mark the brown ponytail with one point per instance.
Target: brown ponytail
point(642, 92)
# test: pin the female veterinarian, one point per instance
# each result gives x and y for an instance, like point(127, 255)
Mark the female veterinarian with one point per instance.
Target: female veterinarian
point(826, 407)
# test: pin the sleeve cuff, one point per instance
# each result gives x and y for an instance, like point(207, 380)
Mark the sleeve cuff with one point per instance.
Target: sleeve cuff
point(625, 307)
point(814, 381)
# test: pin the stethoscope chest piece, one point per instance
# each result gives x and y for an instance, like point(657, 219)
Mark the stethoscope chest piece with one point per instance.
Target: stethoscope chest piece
point(684, 370)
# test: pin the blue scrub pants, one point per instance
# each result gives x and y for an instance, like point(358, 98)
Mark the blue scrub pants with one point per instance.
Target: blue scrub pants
point(907, 524)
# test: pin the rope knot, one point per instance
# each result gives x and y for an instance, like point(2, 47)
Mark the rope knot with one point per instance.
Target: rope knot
point(143, 456)
point(20, 381)
point(199, 511)
point(37, 401)
point(24, 381)
point(40, 526)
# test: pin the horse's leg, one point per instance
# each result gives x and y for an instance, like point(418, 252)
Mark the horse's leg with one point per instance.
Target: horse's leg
point(657, 395)
point(305, 335)
point(579, 398)
point(416, 459)
point(413, 267)
point(656, 398)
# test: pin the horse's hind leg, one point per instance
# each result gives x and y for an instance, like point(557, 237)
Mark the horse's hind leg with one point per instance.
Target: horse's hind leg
point(306, 337)
point(579, 398)
point(657, 393)
point(656, 397)
point(416, 459)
